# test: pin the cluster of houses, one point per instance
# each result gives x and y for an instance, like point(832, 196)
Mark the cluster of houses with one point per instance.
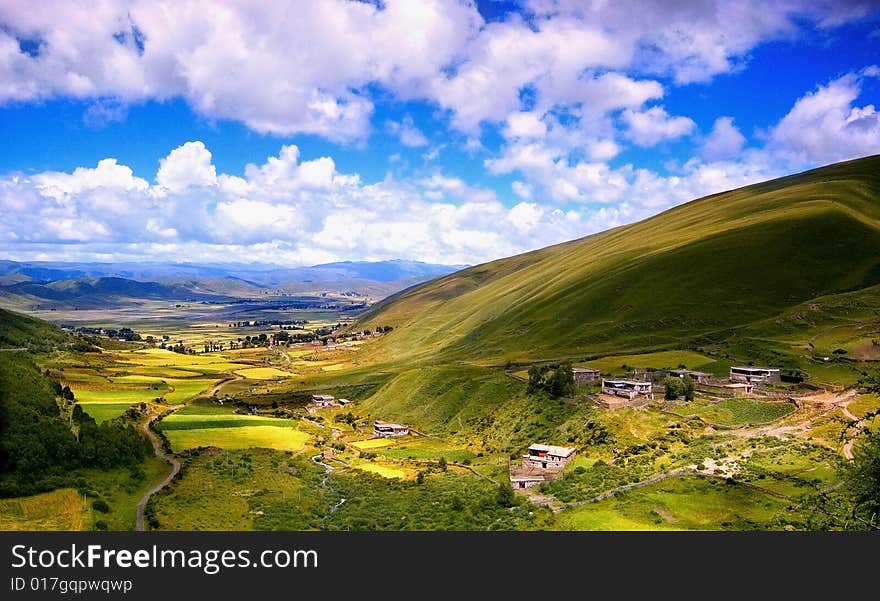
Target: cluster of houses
point(325, 401)
point(742, 381)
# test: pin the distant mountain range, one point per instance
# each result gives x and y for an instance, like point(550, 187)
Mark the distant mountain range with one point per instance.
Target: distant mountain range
point(97, 284)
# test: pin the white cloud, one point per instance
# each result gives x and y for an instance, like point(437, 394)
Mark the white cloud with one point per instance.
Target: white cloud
point(285, 211)
point(654, 125)
point(524, 125)
point(824, 126)
point(406, 130)
point(724, 141)
point(185, 166)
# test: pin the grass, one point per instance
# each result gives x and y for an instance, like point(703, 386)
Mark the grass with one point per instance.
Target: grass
point(408, 452)
point(372, 443)
point(385, 471)
point(863, 404)
point(62, 509)
point(659, 360)
point(244, 484)
point(103, 411)
point(231, 431)
point(116, 395)
point(184, 390)
point(683, 503)
point(736, 412)
point(263, 373)
point(121, 490)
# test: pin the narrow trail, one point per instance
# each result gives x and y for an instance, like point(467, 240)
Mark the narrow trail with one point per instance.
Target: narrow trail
point(857, 424)
point(161, 454)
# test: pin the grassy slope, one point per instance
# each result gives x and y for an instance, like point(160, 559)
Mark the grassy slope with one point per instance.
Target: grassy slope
point(699, 270)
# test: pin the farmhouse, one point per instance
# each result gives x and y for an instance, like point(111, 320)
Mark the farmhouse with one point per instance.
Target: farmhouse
point(547, 457)
point(389, 430)
point(343, 402)
point(323, 400)
point(585, 375)
point(526, 480)
point(740, 388)
point(699, 377)
point(628, 388)
point(754, 375)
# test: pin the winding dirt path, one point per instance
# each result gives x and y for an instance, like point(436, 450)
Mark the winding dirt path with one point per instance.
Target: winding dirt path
point(161, 454)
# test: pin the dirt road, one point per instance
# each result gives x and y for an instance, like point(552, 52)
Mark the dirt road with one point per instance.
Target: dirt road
point(161, 454)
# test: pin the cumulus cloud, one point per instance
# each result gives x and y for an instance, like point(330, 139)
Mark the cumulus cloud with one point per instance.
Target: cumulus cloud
point(824, 126)
point(724, 141)
point(296, 66)
point(187, 165)
point(406, 130)
point(281, 68)
point(285, 210)
point(655, 125)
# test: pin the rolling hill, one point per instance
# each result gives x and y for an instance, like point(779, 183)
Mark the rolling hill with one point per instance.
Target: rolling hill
point(756, 261)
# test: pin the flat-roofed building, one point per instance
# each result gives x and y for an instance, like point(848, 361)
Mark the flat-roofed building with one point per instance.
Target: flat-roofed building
point(754, 375)
point(628, 388)
point(584, 376)
point(547, 457)
point(699, 377)
point(389, 429)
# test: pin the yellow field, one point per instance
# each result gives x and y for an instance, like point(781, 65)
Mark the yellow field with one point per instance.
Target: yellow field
point(270, 437)
point(60, 509)
point(263, 373)
point(373, 443)
point(383, 470)
point(335, 367)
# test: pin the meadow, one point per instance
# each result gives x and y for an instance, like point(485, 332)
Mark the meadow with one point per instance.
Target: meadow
point(231, 431)
point(735, 412)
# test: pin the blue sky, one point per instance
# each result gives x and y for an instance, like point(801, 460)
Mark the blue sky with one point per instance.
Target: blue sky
point(440, 131)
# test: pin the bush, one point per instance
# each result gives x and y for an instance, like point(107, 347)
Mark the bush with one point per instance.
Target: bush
point(101, 525)
point(100, 505)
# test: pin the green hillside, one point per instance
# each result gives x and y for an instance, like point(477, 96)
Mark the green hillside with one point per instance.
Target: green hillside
point(732, 265)
point(19, 331)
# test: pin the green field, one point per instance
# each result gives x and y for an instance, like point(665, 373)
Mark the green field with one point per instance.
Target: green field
point(184, 390)
point(660, 360)
point(682, 504)
point(104, 411)
point(116, 395)
point(736, 412)
point(231, 431)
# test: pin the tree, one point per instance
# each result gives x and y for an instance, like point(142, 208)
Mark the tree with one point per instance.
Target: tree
point(442, 464)
point(673, 388)
point(689, 388)
point(557, 380)
point(505, 496)
point(862, 476)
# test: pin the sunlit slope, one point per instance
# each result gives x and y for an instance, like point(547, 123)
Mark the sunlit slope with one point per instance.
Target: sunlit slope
point(706, 267)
